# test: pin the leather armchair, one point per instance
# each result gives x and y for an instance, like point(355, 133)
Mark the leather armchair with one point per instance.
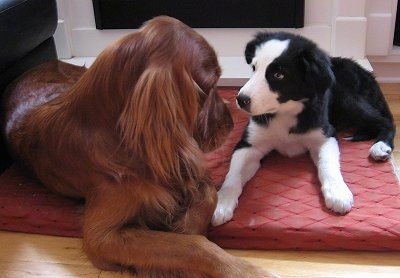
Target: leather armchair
point(26, 40)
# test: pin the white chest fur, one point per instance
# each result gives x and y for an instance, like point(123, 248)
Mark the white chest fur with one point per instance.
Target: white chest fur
point(277, 136)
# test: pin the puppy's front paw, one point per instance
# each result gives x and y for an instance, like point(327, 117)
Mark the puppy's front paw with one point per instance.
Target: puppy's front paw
point(227, 202)
point(380, 151)
point(338, 197)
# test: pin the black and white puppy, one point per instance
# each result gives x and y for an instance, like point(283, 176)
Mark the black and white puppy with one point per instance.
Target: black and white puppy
point(297, 98)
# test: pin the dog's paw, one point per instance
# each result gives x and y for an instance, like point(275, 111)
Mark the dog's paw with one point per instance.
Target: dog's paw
point(227, 202)
point(380, 151)
point(338, 197)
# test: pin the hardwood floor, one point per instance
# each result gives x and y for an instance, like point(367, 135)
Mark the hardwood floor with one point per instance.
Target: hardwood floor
point(392, 95)
point(30, 256)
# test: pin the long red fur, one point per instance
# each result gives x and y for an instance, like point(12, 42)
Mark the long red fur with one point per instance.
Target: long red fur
point(128, 136)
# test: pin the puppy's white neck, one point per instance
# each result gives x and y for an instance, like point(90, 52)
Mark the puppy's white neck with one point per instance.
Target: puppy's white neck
point(291, 107)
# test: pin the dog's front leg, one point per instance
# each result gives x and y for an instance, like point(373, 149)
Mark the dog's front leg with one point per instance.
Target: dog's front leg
point(337, 195)
point(198, 216)
point(244, 164)
point(116, 237)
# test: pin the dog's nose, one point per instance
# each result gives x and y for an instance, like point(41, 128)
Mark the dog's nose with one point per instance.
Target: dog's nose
point(243, 101)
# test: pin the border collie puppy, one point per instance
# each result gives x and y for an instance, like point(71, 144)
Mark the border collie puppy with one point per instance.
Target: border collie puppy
point(297, 98)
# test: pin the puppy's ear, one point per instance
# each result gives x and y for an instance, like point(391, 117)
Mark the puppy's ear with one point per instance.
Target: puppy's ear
point(250, 51)
point(157, 122)
point(317, 69)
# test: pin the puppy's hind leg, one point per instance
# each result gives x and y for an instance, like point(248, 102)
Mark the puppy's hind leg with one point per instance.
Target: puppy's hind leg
point(370, 117)
point(383, 146)
point(379, 126)
point(337, 195)
point(244, 164)
point(375, 121)
point(380, 151)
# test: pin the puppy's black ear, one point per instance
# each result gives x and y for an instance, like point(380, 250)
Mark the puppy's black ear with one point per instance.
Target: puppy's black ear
point(317, 69)
point(250, 51)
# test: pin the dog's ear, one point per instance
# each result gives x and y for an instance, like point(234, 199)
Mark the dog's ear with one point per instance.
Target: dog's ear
point(214, 122)
point(317, 69)
point(157, 122)
point(250, 51)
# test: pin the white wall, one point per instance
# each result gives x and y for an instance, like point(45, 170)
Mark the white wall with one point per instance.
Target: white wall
point(341, 27)
point(383, 56)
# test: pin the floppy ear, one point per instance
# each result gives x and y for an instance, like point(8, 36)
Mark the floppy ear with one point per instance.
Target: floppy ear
point(250, 51)
point(157, 122)
point(316, 66)
point(214, 122)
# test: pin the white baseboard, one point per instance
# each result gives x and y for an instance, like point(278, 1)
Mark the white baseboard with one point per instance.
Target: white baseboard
point(235, 71)
point(387, 72)
point(387, 68)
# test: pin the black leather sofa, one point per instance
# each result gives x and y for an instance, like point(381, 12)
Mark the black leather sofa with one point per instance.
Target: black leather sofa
point(26, 40)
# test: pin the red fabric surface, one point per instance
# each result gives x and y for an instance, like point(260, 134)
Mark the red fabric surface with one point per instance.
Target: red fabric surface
point(280, 208)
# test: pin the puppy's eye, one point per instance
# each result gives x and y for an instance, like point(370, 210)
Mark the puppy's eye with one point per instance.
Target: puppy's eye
point(279, 75)
point(253, 67)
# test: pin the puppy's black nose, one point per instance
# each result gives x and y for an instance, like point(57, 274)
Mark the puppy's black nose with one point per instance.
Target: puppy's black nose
point(243, 101)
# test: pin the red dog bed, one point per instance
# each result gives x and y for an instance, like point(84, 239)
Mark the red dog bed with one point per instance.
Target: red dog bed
point(280, 208)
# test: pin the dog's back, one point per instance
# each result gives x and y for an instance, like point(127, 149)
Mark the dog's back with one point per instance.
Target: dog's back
point(36, 87)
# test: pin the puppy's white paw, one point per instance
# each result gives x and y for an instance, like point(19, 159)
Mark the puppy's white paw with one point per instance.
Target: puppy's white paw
point(338, 197)
point(227, 202)
point(380, 151)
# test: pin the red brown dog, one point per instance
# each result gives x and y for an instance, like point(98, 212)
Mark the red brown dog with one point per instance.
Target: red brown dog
point(128, 135)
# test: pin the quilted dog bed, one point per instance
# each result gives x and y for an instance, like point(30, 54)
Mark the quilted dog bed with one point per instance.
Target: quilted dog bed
point(281, 207)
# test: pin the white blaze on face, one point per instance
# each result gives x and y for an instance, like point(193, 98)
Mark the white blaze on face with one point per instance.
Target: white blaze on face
point(257, 88)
